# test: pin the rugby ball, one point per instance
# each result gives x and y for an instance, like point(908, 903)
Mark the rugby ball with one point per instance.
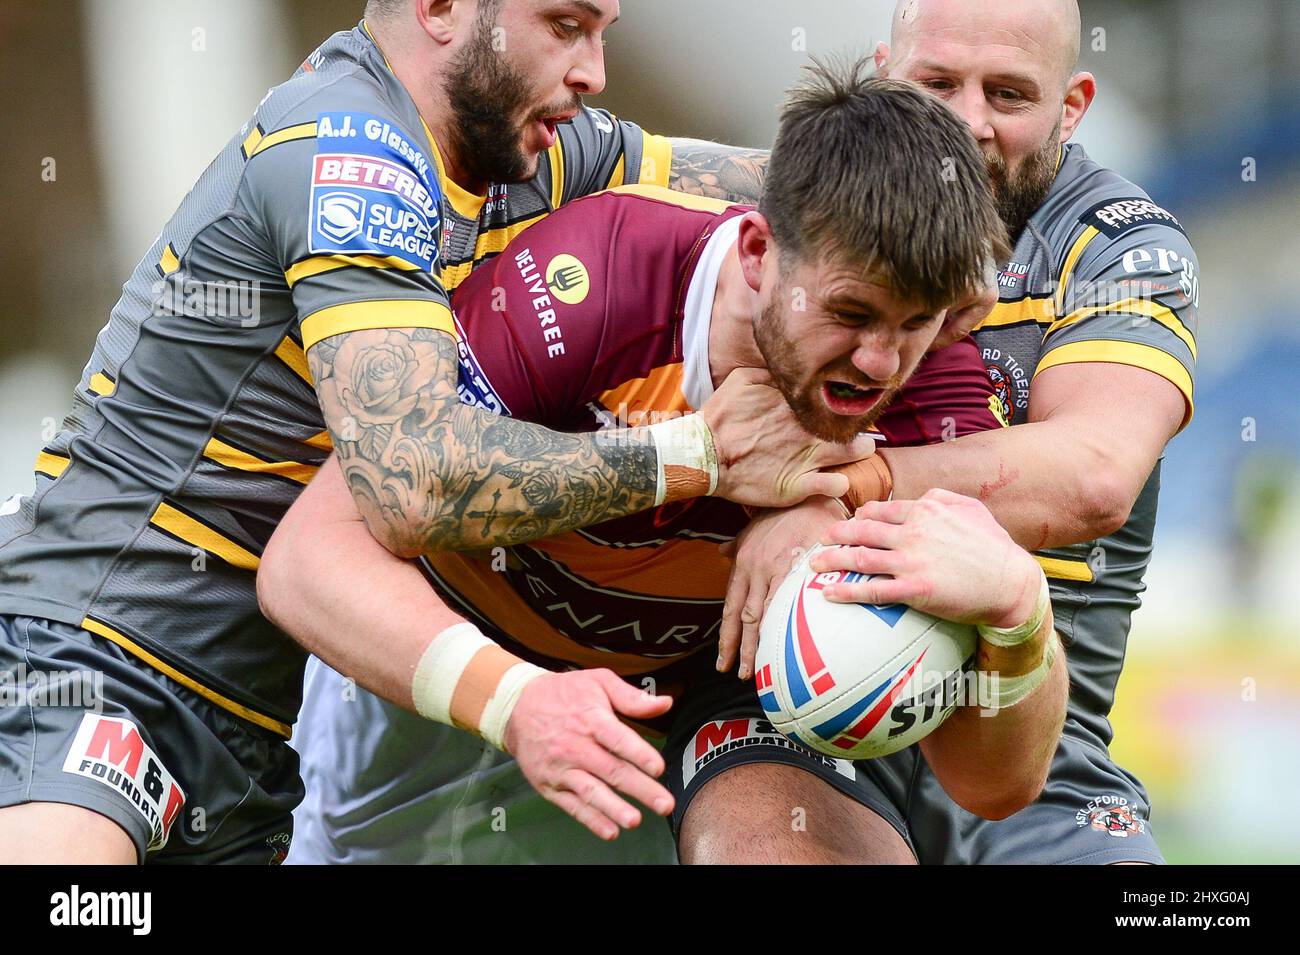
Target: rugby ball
point(856, 681)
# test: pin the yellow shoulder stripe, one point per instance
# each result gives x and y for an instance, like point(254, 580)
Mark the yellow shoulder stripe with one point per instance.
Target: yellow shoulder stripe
point(328, 263)
point(1134, 306)
point(1071, 260)
point(1137, 355)
point(251, 140)
point(1026, 310)
point(359, 316)
point(288, 134)
point(212, 696)
point(181, 525)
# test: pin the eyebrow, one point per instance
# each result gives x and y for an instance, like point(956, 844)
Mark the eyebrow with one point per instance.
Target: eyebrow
point(591, 8)
point(848, 302)
point(1020, 79)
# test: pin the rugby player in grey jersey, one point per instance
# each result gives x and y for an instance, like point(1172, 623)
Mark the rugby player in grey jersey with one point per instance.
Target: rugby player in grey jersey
point(1092, 350)
point(397, 157)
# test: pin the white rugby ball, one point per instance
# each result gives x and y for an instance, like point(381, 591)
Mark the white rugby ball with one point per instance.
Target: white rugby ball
point(856, 681)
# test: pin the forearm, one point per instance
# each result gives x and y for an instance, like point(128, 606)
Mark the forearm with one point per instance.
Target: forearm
point(430, 473)
point(995, 762)
point(731, 173)
point(368, 614)
point(1033, 477)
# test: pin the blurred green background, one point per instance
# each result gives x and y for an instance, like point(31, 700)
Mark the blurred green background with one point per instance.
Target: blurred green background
point(111, 108)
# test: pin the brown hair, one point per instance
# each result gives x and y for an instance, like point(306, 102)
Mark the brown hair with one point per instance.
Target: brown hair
point(880, 173)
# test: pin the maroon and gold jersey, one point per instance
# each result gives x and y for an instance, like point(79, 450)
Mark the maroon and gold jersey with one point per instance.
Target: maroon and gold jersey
point(595, 318)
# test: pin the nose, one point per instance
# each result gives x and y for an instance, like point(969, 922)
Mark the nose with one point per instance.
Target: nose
point(972, 106)
point(877, 356)
point(587, 75)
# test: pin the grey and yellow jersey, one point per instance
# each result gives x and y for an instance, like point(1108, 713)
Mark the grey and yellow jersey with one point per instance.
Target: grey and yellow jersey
point(1100, 274)
point(195, 424)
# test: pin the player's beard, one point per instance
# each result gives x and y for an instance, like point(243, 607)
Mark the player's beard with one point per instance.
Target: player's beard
point(802, 390)
point(1018, 196)
point(488, 99)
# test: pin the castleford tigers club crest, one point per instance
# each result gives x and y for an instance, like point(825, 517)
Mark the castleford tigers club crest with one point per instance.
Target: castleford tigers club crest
point(1112, 815)
point(567, 279)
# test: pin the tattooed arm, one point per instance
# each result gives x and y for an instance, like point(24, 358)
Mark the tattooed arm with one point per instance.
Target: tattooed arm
point(429, 473)
point(703, 168)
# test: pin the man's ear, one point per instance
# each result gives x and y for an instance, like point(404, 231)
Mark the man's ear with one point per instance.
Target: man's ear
point(960, 320)
point(753, 245)
point(439, 18)
point(1078, 97)
point(882, 58)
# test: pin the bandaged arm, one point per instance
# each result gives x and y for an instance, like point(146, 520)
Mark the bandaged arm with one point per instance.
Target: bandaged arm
point(338, 592)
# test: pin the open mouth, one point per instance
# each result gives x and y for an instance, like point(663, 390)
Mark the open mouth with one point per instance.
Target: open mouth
point(848, 399)
point(548, 125)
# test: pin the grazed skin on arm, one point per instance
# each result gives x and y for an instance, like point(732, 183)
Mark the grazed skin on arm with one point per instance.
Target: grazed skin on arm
point(429, 473)
point(731, 173)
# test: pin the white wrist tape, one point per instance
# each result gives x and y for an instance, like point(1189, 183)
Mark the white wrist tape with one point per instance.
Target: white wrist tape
point(1014, 689)
point(1014, 636)
point(688, 461)
point(496, 714)
point(452, 658)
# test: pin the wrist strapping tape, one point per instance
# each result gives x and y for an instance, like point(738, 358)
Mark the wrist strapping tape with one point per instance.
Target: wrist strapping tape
point(869, 480)
point(688, 461)
point(464, 679)
point(1014, 689)
point(1014, 636)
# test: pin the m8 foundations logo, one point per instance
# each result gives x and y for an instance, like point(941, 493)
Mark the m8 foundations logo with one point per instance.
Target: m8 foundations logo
point(111, 751)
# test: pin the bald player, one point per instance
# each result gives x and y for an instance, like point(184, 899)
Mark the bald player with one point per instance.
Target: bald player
point(1091, 349)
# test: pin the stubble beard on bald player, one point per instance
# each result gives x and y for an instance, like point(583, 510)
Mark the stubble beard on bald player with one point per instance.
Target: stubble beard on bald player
point(1020, 195)
point(803, 396)
point(488, 97)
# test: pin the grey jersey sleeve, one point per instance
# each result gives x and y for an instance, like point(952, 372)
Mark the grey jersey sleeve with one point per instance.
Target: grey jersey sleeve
point(598, 151)
point(1129, 293)
point(351, 204)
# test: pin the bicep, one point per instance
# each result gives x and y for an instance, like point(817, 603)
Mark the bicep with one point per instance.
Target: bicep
point(368, 380)
point(371, 385)
point(1133, 410)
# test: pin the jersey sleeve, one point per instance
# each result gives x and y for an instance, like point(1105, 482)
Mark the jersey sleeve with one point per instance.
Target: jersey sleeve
point(598, 151)
point(948, 396)
point(1128, 294)
point(351, 205)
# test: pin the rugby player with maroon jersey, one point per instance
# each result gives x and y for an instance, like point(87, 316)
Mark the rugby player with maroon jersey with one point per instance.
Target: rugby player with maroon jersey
point(629, 307)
